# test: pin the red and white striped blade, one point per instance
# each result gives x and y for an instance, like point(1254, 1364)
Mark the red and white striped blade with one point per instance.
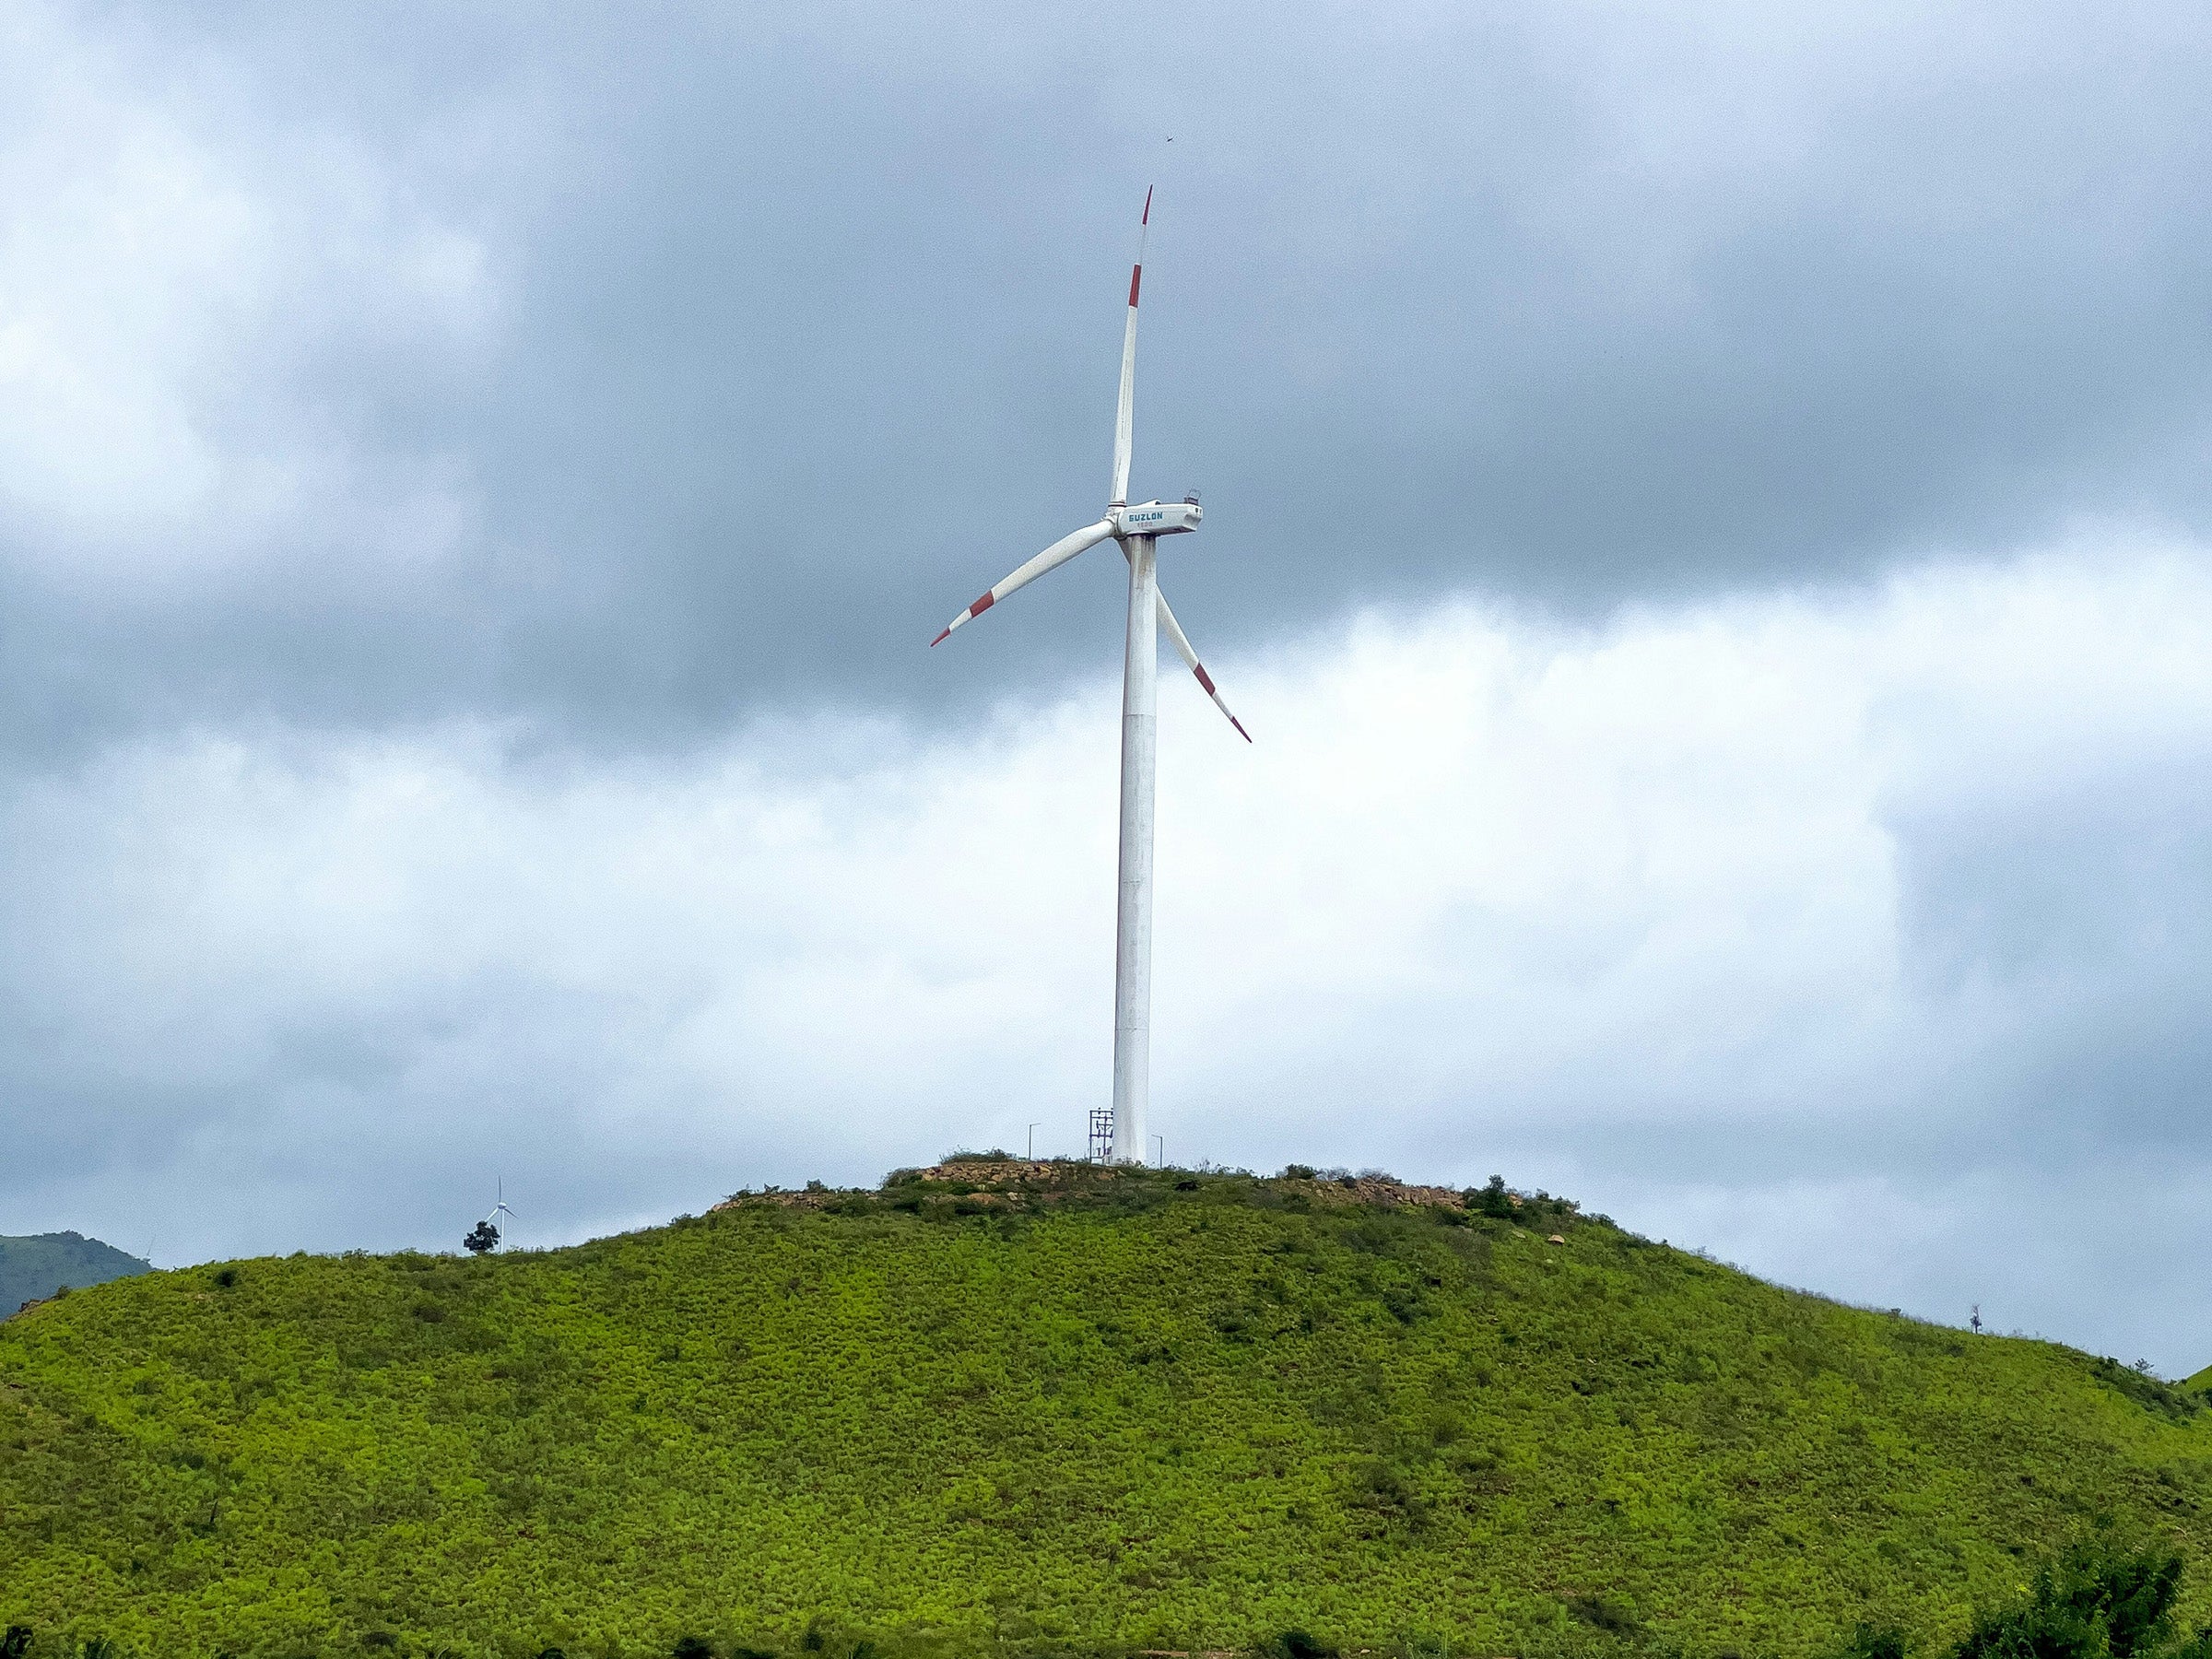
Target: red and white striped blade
point(1182, 644)
point(1125, 407)
point(1051, 559)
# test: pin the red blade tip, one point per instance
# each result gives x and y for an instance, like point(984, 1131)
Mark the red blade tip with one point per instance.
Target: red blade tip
point(1148, 219)
point(1240, 725)
point(940, 638)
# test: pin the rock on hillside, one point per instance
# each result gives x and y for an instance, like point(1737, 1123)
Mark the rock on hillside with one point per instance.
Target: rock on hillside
point(993, 1181)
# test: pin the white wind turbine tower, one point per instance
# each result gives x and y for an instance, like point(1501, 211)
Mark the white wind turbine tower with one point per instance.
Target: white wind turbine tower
point(1138, 529)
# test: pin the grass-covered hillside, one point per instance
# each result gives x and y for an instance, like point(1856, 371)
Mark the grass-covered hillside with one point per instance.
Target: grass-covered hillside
point(37, 1266)
point(1087, 1410)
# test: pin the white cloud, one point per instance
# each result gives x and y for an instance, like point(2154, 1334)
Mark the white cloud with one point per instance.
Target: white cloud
point(169, 272)
point(1708, 916)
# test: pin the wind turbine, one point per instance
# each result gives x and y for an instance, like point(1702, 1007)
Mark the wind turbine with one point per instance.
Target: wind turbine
point(499, 1212)
point(1138, 529)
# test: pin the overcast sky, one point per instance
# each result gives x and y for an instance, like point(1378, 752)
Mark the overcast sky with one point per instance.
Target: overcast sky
point(1708, 522)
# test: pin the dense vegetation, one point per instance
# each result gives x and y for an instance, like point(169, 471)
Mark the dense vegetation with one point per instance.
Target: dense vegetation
point(34, 1267)
point(2105, 1596)
point(1089, 1411)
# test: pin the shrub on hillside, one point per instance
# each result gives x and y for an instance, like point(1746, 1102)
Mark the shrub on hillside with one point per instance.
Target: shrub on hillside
point(1492, 1200)
point(1874, 1641)
point(2105, 1597)
point(1602, 1614)
point(2100, 1598)
point(1500, 1202)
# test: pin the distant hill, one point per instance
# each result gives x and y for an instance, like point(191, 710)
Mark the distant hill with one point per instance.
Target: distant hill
point(1008, 1408)
point(41, 1264)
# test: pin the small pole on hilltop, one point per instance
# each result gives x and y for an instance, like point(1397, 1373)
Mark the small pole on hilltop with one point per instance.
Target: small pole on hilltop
point(1163, 1150)
point(1976, 1320)
point(1032, 1143)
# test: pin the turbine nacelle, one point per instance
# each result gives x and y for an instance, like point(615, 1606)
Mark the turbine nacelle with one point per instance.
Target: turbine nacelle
point(1155, 518)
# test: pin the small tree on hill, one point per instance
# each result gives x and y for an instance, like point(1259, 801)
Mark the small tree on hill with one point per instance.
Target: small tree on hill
point(1492, 1200)
point(482, 1237)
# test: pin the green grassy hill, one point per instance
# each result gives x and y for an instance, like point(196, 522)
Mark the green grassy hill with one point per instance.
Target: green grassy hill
point(1134, 1410)
point(38, 1266)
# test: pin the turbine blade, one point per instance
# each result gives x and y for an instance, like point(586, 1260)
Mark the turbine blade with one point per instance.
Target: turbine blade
point(1051, 559)
point(1125, 408)
point(1182, 644)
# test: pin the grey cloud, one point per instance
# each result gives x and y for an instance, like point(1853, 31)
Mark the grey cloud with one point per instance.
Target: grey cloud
point(798, 334)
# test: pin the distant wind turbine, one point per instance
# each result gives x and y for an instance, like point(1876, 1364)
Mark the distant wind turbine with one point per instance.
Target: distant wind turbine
point(1138, 529)
point(501, 1214)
